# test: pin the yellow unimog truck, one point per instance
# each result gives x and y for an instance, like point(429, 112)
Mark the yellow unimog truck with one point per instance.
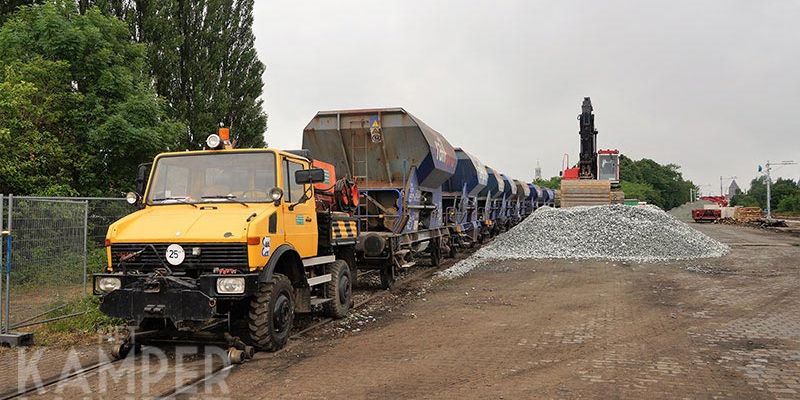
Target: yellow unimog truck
point(231, 240)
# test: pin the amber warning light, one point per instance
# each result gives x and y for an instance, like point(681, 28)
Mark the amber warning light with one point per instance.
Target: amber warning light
point(224, 134)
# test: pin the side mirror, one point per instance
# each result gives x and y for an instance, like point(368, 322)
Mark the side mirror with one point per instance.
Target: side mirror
point(141, 178)
point(313, 175)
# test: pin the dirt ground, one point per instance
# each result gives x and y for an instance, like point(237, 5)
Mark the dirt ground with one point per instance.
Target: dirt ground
point(722, 328)
point(718, 328)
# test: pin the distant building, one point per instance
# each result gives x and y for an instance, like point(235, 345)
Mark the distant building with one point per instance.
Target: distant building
point(537, 173)
point(733, 189)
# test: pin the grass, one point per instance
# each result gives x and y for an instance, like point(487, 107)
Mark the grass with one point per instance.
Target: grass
point(75, 329)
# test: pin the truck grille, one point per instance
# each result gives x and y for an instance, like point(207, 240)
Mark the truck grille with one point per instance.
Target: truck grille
point(211, 255)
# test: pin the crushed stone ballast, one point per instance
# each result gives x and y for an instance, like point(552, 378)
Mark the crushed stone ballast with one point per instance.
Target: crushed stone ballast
point(610, 232)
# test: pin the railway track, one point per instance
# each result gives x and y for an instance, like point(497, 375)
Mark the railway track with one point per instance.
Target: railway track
point(191, 386)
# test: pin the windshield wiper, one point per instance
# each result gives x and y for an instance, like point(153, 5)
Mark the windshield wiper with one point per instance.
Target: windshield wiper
point(228, 197)
point(180, 199)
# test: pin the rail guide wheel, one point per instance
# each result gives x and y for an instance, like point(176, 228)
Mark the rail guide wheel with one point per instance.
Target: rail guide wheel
point(436, 253)
point(122, 350)
point(388, 275)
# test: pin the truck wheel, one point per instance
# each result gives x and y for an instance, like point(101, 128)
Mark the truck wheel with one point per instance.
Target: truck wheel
point(339, 290)
point(349, 257)
point(271, 314)
point(387, 276)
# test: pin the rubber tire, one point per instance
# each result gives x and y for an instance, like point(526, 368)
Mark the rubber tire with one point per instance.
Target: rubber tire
point(453, 250)
point(260, 325)
point(350, 258)
point(388, 276)
point(336, 308)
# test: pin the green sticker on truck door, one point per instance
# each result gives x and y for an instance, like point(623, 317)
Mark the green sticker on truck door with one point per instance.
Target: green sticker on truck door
point(299, 220)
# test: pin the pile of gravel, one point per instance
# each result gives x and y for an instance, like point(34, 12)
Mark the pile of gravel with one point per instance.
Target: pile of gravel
point(614, 232)
point(684, 212)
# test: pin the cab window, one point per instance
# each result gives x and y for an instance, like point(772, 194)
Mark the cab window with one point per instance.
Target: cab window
point(293, 190)
point(213, 177)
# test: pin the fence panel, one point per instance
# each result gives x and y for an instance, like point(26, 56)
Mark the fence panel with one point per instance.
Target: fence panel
point(48, 255)
point(102, 213)
point(57, 243)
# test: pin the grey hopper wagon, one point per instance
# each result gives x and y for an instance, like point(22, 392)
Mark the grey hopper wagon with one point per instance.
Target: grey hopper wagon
point(508, 207)
point(460, 199)
point(399, 164)
point(523, 194)
point(490, 202)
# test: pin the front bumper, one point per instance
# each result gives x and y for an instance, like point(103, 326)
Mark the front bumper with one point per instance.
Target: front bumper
point(178, 299)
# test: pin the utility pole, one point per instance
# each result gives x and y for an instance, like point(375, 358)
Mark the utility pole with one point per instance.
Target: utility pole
point(769, 183)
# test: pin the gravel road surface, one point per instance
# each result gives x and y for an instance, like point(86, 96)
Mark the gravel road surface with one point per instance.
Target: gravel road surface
point(725, 327)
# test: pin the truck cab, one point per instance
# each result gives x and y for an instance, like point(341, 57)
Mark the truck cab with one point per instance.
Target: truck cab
point(227, 237)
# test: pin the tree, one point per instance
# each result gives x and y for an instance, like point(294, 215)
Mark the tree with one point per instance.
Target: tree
point(641, 191)
point(552, 183)
point(782, 189)
point(666, 180)
point(744, 200)
point(790, 204)
point(77, 113)
point(9, 7)
point(203, 60)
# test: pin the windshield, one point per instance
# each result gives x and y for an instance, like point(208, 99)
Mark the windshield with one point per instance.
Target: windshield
point(212, 177)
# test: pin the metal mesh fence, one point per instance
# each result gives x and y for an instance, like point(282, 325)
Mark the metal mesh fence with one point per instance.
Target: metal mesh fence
point(57, 243)
point(48, 254)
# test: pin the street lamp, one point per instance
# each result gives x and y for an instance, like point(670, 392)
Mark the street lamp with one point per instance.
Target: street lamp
point(766, 172)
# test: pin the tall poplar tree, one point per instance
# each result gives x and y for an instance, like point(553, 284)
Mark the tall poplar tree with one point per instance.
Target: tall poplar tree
point(8, 7)
point(203, 61)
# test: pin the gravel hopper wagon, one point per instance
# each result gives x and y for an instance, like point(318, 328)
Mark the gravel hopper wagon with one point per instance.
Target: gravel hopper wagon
point(533, 200)
point(491, 203)
point(523, 199)
point(460, 200)
point(510, 212)
point(399, 164)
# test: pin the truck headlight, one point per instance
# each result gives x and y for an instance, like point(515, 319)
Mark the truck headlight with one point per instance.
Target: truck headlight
point(107, 284)
point(213, 141)
point(230, 285)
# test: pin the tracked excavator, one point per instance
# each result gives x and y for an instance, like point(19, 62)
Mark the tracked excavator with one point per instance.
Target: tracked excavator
point(595, 179)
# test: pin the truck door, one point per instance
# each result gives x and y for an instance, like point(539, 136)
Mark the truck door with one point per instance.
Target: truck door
point(300, 223)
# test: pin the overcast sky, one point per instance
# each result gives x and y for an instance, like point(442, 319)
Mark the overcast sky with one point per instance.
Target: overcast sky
point(713, 86)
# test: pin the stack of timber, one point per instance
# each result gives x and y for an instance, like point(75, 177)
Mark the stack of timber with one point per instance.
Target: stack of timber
point(747, 214)
point(585, 192)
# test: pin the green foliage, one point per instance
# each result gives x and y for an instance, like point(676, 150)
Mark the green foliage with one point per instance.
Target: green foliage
point(744, 200)
point(784, 195)
point(669, 189)
point(9, 7)
point(89, 320)
point(77, 114)
point(203, 60)
point(552, 183)
point(641, 191)
point(790, 204)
